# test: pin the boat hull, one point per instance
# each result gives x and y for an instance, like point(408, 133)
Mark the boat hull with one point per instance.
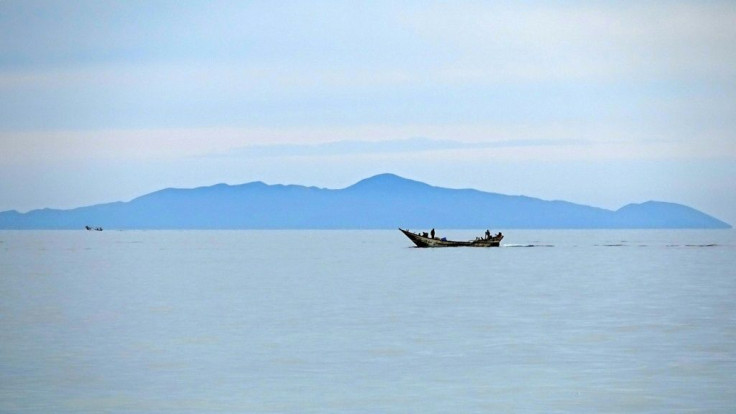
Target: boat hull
point(421, 241)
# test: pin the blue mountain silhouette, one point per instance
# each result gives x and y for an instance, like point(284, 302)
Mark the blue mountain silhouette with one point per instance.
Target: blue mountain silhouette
point(383, 201)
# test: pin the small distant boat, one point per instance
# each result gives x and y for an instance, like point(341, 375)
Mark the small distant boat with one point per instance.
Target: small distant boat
point(426, 240)
point(93, 228)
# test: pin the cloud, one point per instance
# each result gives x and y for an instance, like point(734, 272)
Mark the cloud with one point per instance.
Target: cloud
point(601, 41)
point(510, 141)
point(657, 67)
point(399, 146)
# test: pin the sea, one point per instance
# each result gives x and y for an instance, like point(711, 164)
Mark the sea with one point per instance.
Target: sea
point(359, 321)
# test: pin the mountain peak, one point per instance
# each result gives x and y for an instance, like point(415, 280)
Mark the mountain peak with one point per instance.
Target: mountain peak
point(387, 182)
point(661, 214)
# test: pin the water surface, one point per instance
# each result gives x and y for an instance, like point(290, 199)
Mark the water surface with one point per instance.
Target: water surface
point(361, 322)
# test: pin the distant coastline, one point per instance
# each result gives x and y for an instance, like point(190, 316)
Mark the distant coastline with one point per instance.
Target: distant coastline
point(383, 201)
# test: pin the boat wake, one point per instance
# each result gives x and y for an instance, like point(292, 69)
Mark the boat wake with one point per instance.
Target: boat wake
point(654, 245)
point(693, 245)
point(528, 245)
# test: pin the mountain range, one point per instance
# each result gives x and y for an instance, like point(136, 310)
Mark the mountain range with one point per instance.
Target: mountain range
point(380, 202)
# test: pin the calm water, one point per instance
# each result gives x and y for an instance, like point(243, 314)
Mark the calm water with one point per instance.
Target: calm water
point(360, 322)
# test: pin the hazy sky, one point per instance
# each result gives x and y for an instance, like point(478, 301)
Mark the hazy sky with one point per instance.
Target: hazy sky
point(601, 103)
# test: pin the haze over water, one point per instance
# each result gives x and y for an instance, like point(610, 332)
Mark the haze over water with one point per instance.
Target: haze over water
point(359, 321)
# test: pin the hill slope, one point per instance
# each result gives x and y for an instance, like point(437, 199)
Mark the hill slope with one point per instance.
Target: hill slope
point(382, 201)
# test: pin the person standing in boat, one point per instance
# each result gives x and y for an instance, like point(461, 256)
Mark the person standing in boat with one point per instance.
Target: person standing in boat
point(488, 234)
point(431, 233)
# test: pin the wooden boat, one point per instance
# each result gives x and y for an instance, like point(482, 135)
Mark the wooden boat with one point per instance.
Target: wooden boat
point(424, 240)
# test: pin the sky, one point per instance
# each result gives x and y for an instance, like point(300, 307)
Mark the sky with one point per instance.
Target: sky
point(599, 103)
